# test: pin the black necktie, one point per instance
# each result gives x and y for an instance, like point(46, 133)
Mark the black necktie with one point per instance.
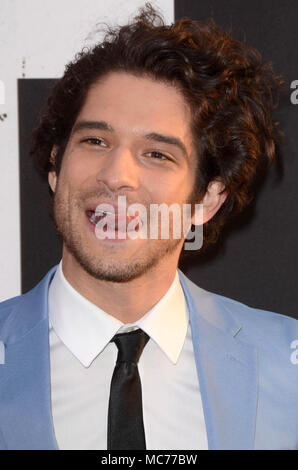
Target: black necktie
point(125, 420)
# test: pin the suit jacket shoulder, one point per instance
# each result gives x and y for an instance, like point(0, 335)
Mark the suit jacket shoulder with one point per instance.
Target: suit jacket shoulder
point(19, 314)
point(7, 306)
point(271, 324)
point(256, 324)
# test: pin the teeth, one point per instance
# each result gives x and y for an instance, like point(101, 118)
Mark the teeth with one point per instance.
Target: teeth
point(98, 215)
point(93, 219)
point(100, 212)
point(96, 218)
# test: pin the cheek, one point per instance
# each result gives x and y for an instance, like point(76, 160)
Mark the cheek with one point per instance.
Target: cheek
point(77, 169)
point(172, 190)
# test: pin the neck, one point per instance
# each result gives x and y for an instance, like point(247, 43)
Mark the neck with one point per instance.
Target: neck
point(126, 301)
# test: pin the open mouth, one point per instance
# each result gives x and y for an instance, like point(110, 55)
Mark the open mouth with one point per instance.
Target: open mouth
point(114, 221)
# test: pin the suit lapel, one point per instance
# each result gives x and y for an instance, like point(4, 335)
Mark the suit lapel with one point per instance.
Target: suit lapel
point(227, 371)
point(25, 400)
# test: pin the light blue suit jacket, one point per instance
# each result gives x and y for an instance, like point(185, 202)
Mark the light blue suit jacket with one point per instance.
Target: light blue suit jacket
point(247, 375)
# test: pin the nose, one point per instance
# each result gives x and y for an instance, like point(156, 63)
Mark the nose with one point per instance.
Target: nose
point(119, 170)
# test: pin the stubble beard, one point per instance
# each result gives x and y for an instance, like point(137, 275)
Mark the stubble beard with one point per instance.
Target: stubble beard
point(100, 267)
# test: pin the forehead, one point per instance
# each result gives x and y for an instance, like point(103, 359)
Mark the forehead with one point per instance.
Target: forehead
point(138, 104)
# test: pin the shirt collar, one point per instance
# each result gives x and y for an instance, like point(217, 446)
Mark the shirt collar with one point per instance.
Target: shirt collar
point(86, 329)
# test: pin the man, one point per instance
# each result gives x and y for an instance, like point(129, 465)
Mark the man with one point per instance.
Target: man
point(156, 114)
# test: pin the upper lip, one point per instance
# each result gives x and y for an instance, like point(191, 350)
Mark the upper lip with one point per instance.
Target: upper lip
point(94, 205)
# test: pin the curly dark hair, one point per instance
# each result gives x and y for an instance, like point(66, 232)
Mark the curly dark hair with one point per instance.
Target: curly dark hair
point(231, 93)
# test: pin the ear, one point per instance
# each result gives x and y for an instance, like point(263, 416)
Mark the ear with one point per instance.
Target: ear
point(52, 175)
point(212, 200)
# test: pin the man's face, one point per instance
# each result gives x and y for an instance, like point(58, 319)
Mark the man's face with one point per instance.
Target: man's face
point(138, 146)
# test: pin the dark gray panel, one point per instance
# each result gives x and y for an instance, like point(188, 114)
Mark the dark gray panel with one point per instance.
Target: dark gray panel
point(256, 259)
point(41, 248)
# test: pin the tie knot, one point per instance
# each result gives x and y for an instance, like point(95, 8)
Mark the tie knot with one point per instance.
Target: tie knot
point(130, 345)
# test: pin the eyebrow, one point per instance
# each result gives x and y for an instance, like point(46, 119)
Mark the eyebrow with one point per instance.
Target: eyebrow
point(156, 137)
point(99, 125)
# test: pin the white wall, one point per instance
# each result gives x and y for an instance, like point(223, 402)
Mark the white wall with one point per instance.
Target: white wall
point(37, 38)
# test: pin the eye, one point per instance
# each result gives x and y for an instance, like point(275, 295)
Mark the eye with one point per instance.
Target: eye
point(97, 141)
point(158, 155)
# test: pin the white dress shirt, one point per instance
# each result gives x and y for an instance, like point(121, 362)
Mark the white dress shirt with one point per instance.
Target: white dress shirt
point(82, 362)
